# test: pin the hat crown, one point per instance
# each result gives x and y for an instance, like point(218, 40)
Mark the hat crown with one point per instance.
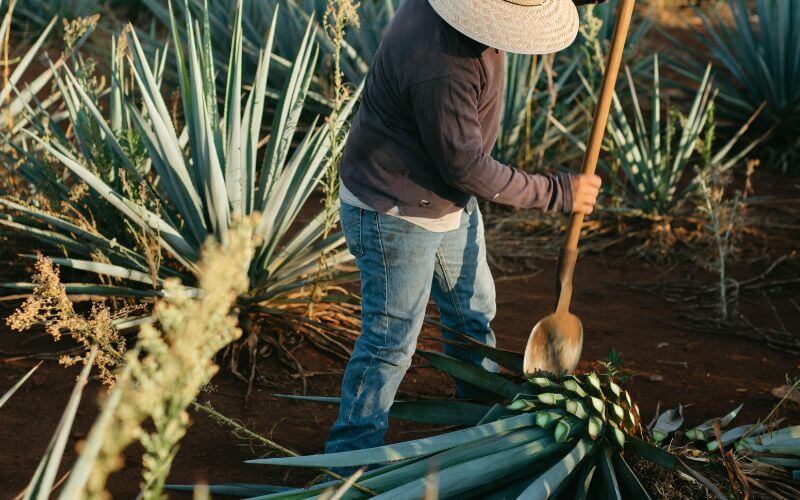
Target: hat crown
point(526, 3)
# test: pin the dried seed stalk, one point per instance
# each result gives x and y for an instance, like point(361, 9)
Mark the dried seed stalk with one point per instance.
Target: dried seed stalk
point(338, 16)
point(50, 306)
point(171, 364)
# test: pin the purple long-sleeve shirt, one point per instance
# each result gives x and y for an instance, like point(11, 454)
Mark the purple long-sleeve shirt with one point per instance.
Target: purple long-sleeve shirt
point(429, 117)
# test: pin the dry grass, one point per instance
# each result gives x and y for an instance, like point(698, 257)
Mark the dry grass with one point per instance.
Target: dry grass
point(667, 484)
point(49, 306)
point(281, 331)
point(517, 239)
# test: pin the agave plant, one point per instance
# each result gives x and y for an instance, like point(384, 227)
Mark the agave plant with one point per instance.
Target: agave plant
point(538, 89)
point(774, 453)
point(13, 99)
point(606, 12)
point(361, 47)
point(594, 40)
point(358, 50)
point(659, 158)
point(85, 140)
point(257, 19)
point(534, 91)
point(760, 442)
point(757, 56)
point(204, 172)
point(557, 436)
point(560, 437)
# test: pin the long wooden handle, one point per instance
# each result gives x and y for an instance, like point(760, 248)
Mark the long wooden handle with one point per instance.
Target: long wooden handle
point(601, 113)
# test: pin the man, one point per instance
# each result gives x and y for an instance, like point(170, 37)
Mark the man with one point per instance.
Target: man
point(417, 157)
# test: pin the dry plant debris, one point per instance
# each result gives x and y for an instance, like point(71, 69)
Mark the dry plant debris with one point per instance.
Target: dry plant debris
point(50, 306)
point(700, 304)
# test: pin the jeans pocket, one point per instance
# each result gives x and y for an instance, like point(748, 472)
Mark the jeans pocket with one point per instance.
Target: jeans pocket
point(350, 217)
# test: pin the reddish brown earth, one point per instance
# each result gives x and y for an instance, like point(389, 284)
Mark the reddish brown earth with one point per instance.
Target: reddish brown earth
point(709, 374)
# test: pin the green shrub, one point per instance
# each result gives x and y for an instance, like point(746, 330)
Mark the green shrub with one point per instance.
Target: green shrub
point(757, 60)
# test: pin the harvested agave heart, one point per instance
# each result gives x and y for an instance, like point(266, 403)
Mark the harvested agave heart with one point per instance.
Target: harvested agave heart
point(588, 405)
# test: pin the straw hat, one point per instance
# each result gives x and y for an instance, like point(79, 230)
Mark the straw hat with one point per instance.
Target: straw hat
point(520, 26)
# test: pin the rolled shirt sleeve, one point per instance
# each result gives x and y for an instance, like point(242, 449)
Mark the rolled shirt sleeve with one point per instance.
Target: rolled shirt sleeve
point(446, 111)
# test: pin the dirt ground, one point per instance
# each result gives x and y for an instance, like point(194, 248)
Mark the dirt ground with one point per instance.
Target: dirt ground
point(708, 374)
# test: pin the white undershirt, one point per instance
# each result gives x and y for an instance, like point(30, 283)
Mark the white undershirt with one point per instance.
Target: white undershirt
point(443, 224)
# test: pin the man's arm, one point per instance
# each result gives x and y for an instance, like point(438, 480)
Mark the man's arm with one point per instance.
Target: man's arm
point(446, 110)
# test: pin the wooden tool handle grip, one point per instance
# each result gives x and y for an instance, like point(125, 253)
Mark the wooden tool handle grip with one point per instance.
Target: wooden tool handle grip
point(601, 112)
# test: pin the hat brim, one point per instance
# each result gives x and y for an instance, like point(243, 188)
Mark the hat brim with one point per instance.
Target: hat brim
point(542, 29)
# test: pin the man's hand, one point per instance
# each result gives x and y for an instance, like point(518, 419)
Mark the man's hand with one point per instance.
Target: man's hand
point(585, 189)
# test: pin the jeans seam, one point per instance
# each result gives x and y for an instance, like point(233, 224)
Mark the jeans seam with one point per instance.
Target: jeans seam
point(360, 389)
point(360, 220)
point(451, 290)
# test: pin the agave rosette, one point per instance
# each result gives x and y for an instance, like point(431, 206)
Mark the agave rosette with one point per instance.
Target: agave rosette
point(14, 96)
point(362, 42)
point(557, 436)
point(756, 54)
point(759, 442)
point(358, 49)
point(196, 176)
point(659, 158)
point(529, 100)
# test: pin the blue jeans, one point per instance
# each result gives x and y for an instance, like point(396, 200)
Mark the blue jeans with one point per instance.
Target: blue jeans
point(401, 266)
